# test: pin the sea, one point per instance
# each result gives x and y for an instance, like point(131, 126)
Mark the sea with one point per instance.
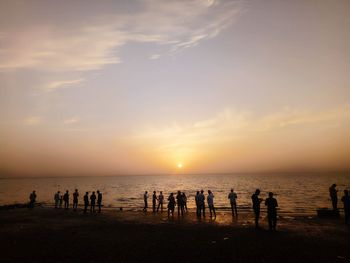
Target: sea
point(297, 193)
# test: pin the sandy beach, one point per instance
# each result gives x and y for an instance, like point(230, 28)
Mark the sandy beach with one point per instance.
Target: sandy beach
point(57, 235)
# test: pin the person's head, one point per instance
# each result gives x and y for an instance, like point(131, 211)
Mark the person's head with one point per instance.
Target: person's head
point(270, 194)
point(154, 192)
point(76, 190)
point(178, 192)
point(146, 192)
point(58, 192)
point(231, 190)
point(98, 191)
point(161, 192)
point(334, 185)
point(34, 192)
point(93, 193)
point(171, 194)
point(202, 191)
point(87, 193)
point(67, 191)
point(257, 191)
point(209, 192)
point(197, 192)
point(346, 192)
point(183, 194)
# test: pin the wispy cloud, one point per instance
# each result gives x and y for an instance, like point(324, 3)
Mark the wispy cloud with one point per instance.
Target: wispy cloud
point(52, 46)
point(32, 120)
point(71, 120)
point(63, 84)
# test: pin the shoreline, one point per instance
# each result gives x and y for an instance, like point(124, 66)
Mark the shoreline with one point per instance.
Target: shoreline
point(56, 235)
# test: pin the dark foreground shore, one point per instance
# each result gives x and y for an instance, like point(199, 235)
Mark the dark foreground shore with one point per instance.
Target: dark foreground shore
point(49, 235)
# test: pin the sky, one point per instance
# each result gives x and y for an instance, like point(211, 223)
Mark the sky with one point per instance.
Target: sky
point(195, 86)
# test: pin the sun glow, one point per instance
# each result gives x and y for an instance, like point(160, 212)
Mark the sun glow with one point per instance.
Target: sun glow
point(179, 165)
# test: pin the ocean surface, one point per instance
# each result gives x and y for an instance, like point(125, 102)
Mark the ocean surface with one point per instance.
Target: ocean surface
point(296, 193)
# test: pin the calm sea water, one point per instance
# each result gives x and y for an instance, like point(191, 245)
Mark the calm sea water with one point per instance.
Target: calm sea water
point(299, 193)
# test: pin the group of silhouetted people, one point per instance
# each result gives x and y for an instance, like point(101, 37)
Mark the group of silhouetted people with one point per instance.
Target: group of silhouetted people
point(200, 203)
point(333, 194)
point(88, 201)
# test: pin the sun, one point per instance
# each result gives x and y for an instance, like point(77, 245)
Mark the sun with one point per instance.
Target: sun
point(179, 165)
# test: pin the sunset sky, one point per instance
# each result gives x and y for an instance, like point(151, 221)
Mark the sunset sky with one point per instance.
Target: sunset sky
point(140, 87)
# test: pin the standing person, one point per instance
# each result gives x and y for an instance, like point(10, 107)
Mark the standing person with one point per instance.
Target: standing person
point(154, 201)
point(333, 195)
point(256, 206)
point(32, 199)
point(210, 200)
point(346, 200)
point(180, 206)
point(184, 201)
point(57, 198)
point(99, 200)
point(201, 202)
point(61, 201)
point(66, 199)
point(92, 202)
point(145, 198)
point(171, 205)
point(160, 202)
point(75, 199)
point(86, 201)
point(272, 205)
point(196, 198)
point(233, 197)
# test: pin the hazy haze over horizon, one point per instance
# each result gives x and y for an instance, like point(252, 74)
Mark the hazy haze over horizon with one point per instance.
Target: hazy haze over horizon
point(140, 87)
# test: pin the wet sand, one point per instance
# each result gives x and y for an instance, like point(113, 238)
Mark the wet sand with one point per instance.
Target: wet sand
point(57, 235)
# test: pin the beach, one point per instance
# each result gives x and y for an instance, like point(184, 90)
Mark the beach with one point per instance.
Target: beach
point(57, 235)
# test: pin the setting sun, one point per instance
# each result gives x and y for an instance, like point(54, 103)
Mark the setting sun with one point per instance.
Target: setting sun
point(179, 165)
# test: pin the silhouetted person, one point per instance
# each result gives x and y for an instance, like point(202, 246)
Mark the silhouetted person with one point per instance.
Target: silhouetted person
point(201, 203)
point(333, 193)
point(86, 201)
point(66, 200)
point(210, 200)
point(154, 201)
point(346, 200)
point(145, 200)
point(233, 197)
point(256, 206)
point(32, 199)
point(184, 201)
point(180, 205)
point(61, 201)
point(171, 205)
point(75, 199)
point(99, 200)
point(198, 211)
point(57, 199)
point(272, 205)
point(160, 201)
point(92, 202)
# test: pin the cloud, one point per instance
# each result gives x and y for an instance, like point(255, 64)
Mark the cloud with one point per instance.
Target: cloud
point(32, 120)
point(49, 45)
point(71, 120)
point(63, 84)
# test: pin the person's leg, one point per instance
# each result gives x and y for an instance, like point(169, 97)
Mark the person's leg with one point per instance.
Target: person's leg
point(233, 214)
point(257, 216)
point(347, 212)
point(214, 211)
point(274, 221)
point(236, 209)
point(269, 216)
